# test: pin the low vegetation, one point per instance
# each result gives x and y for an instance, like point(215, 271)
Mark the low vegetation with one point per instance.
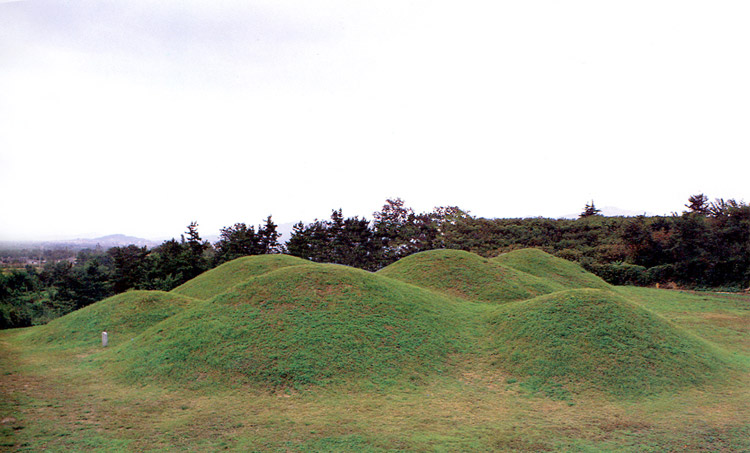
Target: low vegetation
point(443, 350)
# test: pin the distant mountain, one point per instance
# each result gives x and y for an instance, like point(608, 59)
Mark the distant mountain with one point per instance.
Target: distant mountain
point(115, 240)
point(75, 245)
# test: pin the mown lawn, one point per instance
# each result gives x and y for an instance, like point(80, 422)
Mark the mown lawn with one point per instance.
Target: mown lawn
point(57, 399)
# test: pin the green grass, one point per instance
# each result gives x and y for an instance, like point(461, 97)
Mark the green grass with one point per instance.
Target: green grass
point(597, 339)
point(722, 319)
point(296, 326)
point(123, 317)
point(538, 263)
point(469, 276)
point(222, 278)
point(316, 357)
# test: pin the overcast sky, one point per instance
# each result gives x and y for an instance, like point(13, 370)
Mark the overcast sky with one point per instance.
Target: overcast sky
point(138, 117)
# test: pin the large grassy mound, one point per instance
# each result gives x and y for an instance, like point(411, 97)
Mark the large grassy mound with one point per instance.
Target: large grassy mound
point(219, 279)
point(596, 338)
point(122, 316)
point(302, 325)
point(541, 264)
point(468, 276)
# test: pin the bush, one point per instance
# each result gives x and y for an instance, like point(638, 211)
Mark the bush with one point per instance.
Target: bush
point(570, 254)
point(12, 316)
point(660, 274)
point(621, 273)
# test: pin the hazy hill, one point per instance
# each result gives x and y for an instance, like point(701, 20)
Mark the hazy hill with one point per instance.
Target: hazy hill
point(105, 242)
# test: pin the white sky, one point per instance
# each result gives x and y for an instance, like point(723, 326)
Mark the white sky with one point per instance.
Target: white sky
point(138, 117)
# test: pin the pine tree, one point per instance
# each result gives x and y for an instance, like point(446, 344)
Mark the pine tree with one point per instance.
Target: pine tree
point(698, 204)
point(589, 210)
point(268, 238)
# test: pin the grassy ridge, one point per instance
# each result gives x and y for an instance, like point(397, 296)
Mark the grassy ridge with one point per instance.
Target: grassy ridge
point(468, 276)
point(598, 339)
point(222, 278)
point(303, 325)
point(123, 317)
point(538, 263)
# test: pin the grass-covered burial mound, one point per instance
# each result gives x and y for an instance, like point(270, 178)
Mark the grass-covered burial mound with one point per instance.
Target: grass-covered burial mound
point(123, 317)
point(468, 276)
point(541, 264)
point(221, 278)
point(311, 324)
point(597, 339)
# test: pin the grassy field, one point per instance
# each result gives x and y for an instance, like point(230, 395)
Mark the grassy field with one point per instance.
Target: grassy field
point(291, 356)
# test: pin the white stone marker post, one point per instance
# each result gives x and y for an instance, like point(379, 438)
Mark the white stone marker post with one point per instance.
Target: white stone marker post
point(104, 339)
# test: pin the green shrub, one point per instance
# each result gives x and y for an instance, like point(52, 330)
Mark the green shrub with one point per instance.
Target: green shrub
point(622, 274)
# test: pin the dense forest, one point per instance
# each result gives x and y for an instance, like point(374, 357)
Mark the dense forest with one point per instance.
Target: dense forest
point(705, 247)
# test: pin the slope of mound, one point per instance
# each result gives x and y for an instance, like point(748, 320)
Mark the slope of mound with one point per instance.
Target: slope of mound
point(219, 279)
point(542, 264)
point(301, 325)
point(468, 276)
point(595, 338)
point(122, 316)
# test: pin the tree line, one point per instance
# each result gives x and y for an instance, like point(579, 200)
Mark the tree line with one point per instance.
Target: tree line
point(706, 246)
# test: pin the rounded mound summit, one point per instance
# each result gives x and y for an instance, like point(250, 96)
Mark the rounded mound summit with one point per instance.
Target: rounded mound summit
point(472, 277)
point(541, 264)
point(221, 278)
point(123, 316)
point(596, 338)
point(302, 325)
